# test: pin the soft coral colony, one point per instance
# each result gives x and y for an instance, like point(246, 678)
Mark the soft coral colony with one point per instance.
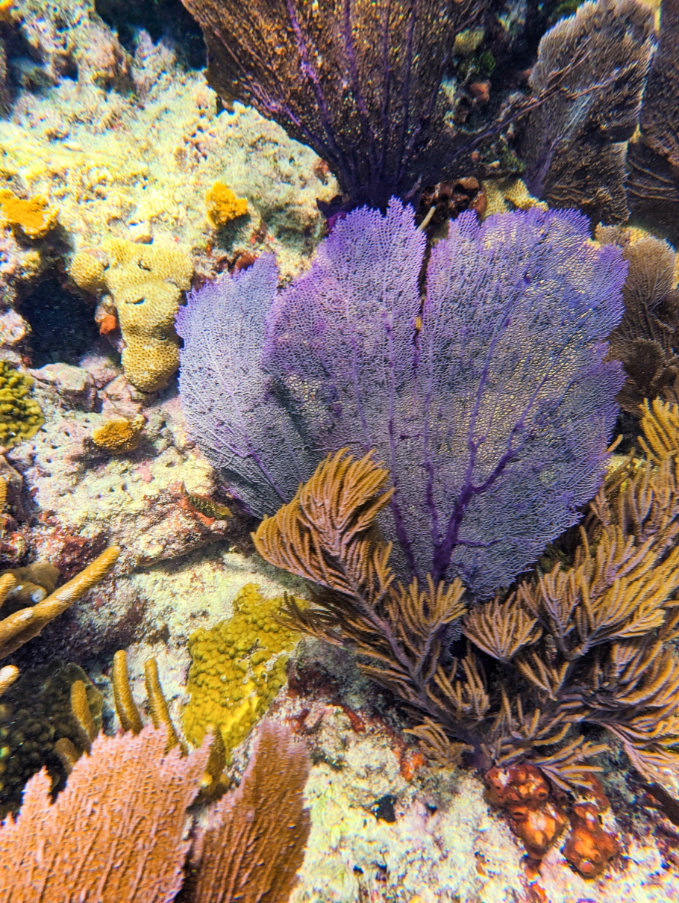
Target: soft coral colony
point(470, 427)
point(414, 422)
point(430, 433)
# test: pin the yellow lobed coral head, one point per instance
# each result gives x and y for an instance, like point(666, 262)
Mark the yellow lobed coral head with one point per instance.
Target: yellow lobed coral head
point(131, 262)
point(87, 271)
point(146, 283)
point(150, 363)
point(34, 218)
point(223, 205)
point(147, 308)
point(20, 415)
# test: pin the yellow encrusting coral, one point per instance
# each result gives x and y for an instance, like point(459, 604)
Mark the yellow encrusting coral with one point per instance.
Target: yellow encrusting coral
point(503, 195)
point(33, 216)
point(223, 205)
point(238, 667)
point(119, 436)
point(146, 283)
point(20, 415)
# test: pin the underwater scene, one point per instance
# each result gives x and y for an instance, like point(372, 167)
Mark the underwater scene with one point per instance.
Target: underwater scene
point(339, 451)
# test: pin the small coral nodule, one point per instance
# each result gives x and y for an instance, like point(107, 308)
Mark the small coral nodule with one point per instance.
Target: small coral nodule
point(223, 205)
point(119, 436)
point(33, 217)
point(589, 847)
point(20, 415)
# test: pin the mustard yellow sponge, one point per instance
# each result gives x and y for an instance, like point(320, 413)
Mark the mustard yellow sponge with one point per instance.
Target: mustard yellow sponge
point(33, 217)
point(20, 415)
point(223, 205)
point(238, 667)
point(119, 436)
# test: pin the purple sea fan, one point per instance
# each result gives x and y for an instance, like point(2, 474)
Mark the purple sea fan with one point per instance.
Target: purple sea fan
point(231, 408)
point(359, 81)
point(489, 400)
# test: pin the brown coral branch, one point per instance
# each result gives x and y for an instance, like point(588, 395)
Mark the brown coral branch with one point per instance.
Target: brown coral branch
point(160, 713)
point(585, 643)
point(82, 713)
point(501, 629)
point(126, 707)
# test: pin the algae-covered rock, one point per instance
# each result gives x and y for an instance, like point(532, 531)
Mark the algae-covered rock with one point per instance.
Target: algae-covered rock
point(20, 414)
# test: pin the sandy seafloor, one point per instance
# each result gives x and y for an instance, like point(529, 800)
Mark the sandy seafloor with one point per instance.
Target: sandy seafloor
point(128, 149)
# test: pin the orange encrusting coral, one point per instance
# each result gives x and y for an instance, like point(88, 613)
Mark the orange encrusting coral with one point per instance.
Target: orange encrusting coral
point(119, 436)
point(223, 205)
point(33, 217)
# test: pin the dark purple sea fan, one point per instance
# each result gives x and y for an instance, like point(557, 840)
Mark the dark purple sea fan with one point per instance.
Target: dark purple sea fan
point(489, 400)
point(359, 81)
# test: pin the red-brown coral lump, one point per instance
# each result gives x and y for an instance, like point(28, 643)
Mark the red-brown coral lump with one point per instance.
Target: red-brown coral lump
point(522, 791)
point(519, 784)
point(538, 828)
point(589, 848)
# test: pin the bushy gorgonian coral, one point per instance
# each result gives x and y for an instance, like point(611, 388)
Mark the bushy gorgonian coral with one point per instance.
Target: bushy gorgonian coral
point(489, 400)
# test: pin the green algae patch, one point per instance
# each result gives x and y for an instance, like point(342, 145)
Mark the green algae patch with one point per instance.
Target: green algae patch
point(20, 414)
point(238, 667)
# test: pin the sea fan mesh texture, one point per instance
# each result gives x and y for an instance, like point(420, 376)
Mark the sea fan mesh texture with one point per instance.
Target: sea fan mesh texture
point(489, 400)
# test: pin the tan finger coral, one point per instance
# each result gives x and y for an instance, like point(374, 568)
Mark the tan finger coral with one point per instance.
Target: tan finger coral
point(26, 623)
